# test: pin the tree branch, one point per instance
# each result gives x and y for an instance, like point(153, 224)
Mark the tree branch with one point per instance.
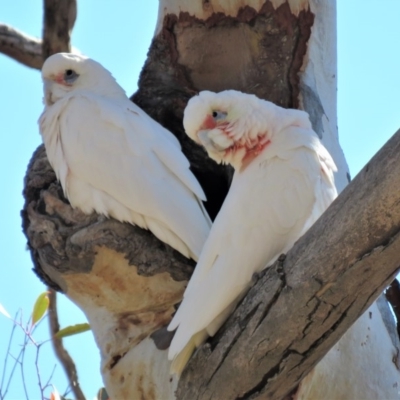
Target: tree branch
point(59, 19)
point(62, 354)
point(301, 306)
point(21, 47)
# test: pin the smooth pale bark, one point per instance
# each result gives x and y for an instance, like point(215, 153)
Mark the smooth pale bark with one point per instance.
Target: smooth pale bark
point(363, 365)
point(126, 281)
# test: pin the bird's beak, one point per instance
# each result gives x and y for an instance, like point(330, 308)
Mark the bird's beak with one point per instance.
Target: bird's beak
point(208, 143)
point(215, 141)
point(47, 90)
point(203, 138)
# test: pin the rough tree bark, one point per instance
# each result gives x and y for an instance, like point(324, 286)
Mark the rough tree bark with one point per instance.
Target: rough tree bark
point(128, 283)
point(301, 305)
point(23, 48)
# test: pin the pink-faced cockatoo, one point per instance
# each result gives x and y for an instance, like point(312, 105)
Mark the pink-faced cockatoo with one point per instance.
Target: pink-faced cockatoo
point(112, 158)
point(283, 182)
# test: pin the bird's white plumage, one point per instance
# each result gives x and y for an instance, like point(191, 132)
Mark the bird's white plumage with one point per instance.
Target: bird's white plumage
point(112, 158)
point(283, 181)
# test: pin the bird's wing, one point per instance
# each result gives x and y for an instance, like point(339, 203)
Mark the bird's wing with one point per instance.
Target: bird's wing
point(116, 151)
point(163, 143)
point(294, 137)
point(265, 212)
point(50, 131)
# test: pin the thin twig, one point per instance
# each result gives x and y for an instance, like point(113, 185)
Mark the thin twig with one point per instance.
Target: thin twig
point(61, 353)
point(22, 366)
point(38, 372)
point(3, 395)
point(67, 391)
point(16, 362)
point(51, 376)
point(20, 359)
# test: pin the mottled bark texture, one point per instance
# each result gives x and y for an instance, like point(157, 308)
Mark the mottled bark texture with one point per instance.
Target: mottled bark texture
point(190, 55)
point(125, 280)
point(21, 47)
point(255, 52)
point(58, 20)
point(301, 306)
point(128, 283)
point(63, 240)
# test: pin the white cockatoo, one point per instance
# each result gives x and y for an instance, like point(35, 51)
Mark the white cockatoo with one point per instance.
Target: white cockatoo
point(112, 158)
point(283, 182)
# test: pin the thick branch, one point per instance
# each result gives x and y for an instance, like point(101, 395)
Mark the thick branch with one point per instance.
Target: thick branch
point(59, 19)
point(301, 306)
point(63, 356)
point(21, 47)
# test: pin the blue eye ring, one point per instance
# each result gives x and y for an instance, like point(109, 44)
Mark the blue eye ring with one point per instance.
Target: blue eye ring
point(217, 115)
point(70, 76)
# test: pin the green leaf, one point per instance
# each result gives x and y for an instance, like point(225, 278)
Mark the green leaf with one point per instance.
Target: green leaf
point(40, 307)
point(4, 312)
point(72, 330)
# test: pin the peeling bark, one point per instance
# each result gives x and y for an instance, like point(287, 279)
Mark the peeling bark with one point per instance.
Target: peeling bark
point(123, 278)
point(128, 283)
point(190, 54)
point(110, 269)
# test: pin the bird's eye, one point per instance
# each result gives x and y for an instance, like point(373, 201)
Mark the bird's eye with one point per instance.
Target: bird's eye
point(217, 115)
point(70, 76)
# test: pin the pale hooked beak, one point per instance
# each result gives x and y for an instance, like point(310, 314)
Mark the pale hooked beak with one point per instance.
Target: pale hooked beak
point(208, 143)
point(204, 139)
point(214, 140)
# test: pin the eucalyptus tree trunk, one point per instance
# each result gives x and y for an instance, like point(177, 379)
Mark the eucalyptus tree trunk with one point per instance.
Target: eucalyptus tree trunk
point(126, 281)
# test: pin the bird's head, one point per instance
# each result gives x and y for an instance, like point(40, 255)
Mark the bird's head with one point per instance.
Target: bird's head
point(230, 125)
point(63, 73)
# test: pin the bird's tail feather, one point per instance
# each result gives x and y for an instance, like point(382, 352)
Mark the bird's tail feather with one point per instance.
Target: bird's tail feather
point(180, 360)
point(167, 236)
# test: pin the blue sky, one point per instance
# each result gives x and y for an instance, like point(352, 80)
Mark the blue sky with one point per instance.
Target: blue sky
point(117, 34)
